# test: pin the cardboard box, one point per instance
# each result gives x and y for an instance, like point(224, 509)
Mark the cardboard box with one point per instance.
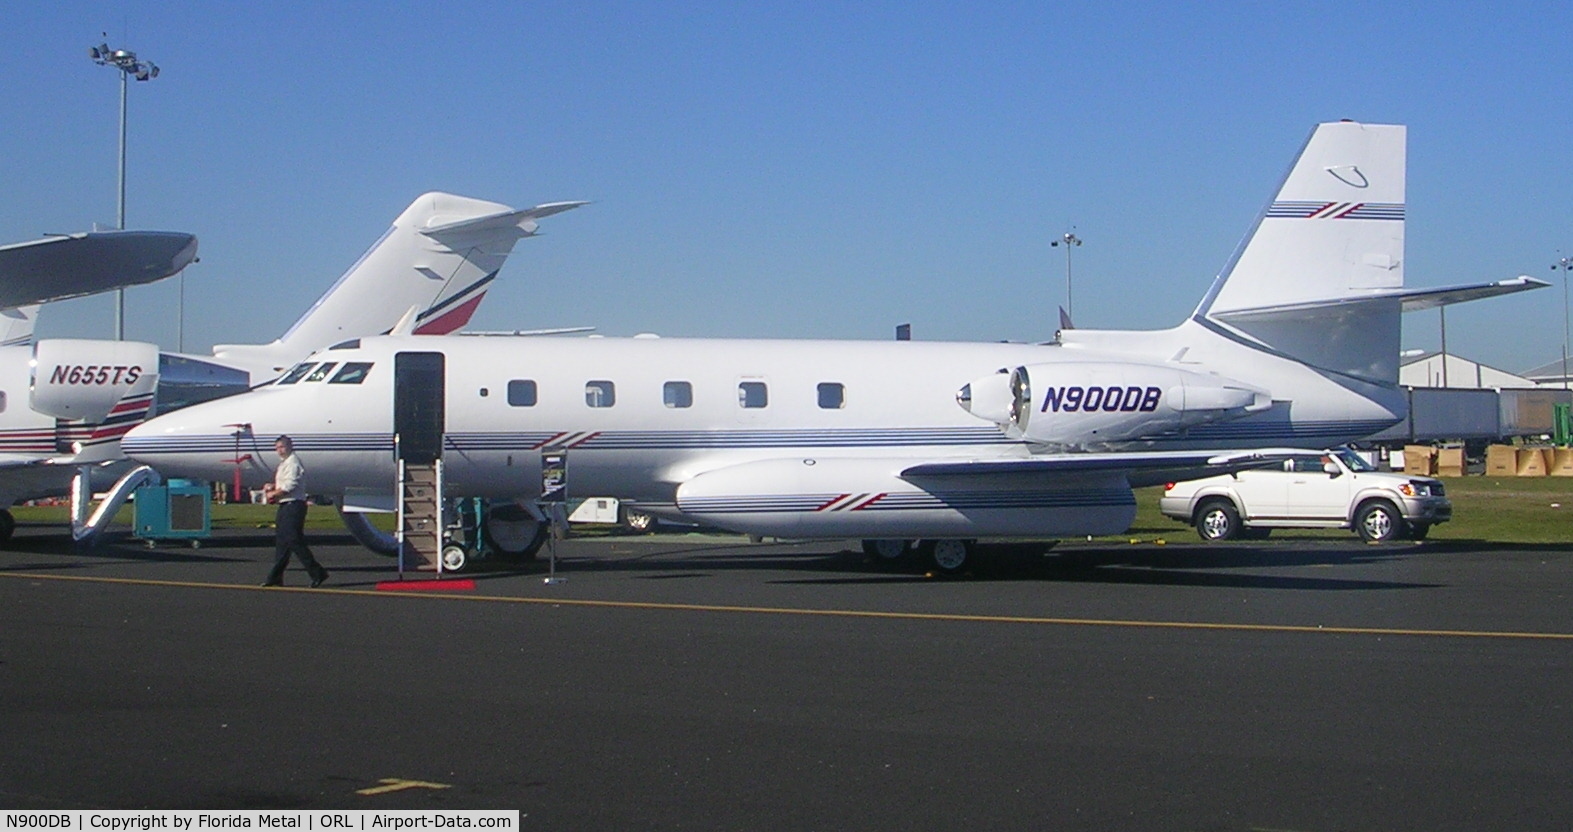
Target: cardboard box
point(1561, 462)
point(1420, 459)
point(1532, 462)
point(1501, 461)
point(1450, 462)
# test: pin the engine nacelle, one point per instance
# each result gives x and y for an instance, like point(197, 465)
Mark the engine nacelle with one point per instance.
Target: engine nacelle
point(1077, 404)
point(81, 379)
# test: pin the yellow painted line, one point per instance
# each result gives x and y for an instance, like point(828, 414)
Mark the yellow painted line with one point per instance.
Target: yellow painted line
point(829, 613)
point(394, 784)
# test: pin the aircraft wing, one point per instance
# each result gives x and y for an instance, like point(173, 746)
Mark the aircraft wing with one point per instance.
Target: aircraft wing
point(12, 462)
point(1141, 467)
point(85, 263)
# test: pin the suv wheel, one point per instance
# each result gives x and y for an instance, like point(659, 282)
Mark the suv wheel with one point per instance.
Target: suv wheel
point(1379, 521)
point(1217, 520)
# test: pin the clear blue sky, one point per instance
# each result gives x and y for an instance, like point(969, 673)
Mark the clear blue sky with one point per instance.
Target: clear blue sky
point(789, 169)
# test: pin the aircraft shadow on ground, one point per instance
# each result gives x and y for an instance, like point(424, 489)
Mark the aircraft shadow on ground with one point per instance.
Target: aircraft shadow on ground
point(1225, 566)
point(114, 546)
point(1240, 565)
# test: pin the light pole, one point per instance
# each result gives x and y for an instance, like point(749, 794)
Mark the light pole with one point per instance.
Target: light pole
point(1069, 239)
point(1564, 263)
point(125, 61)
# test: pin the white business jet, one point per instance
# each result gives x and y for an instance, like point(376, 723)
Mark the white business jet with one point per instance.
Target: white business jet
point(66, 403)
point(895, 442)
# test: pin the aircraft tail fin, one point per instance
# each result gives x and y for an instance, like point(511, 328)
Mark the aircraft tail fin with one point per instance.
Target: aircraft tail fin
point(440, 255)
point(1320, 276)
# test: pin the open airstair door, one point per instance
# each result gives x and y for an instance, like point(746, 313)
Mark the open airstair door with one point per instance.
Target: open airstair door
point(419, 420)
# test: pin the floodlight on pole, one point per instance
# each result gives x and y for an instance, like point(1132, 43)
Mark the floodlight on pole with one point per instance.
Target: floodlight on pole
point(1564, 263)
point(1069, 239)
point(130, 67)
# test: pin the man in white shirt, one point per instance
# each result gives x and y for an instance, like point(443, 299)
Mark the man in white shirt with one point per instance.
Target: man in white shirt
point(288, 489)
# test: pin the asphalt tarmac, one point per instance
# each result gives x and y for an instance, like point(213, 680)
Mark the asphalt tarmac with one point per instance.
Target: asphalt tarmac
point(700, 682)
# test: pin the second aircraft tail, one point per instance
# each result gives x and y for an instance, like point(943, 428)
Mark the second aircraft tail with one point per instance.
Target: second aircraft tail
point(440, 255)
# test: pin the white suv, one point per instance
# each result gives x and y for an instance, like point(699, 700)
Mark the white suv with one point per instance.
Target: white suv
point(1330, 490)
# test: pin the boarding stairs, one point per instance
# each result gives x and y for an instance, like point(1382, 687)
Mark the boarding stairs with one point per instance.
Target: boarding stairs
point(420, 514)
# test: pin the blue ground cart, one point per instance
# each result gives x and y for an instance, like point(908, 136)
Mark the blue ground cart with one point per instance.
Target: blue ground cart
point(176, 510)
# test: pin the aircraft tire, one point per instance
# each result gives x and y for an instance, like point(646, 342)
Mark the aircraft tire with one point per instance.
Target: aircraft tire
point(1378, 521)
point(7, 526)
point(887, 550)
point(1217, 519)
point(635, 521)
point(949, 557)
point(373, 538)
point(514, 534)
point(1418, 531)
point(455, 558)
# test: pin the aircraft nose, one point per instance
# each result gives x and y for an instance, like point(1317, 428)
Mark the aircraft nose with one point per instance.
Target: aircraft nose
point(168, 440)
point(142, 440)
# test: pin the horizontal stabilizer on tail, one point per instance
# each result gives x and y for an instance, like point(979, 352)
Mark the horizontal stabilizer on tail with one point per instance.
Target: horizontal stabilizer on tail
point(1418, 299)
point(1411, 300)
point(523, 220)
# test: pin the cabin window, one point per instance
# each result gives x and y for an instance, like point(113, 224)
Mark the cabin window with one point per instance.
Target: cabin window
point(322, 371)
point(2, 401)
point(521, 392)
point(297, 372)
point(600, 393)
point(678, 394)
point(752, 394)
point(832, 395)
point(353, 372)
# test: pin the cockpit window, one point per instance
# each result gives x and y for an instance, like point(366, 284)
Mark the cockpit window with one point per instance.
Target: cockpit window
point(322, 371)
point(297, 372)
point(352, 344)
point(353, 372)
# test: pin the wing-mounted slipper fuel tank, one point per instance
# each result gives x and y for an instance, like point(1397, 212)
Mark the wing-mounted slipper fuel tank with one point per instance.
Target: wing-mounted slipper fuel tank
point(873, 498)
point(1084, 403)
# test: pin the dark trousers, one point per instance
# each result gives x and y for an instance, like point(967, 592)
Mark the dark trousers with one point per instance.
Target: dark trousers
point(291, 523)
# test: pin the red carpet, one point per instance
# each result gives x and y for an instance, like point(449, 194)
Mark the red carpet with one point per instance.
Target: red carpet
point(439, 586)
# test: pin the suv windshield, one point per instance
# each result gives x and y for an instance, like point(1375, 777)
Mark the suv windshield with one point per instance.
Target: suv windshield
point(1353, 461)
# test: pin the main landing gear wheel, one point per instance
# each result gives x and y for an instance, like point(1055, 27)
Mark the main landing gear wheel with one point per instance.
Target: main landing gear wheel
point(887, 549)
point(636, 521)
point(7, 526)
point(454, 558)
point(949, 556)
point(514, 534)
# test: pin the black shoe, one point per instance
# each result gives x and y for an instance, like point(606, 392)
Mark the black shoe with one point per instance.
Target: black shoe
point(272, 583)
point(318, 581)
